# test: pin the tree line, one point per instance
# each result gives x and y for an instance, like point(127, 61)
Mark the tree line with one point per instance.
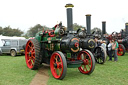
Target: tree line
point(8, 31)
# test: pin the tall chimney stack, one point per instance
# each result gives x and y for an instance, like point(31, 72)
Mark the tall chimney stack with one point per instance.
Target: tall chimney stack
point(103, 28)
point(88, 24)
point(69, 17)
point(126, 28)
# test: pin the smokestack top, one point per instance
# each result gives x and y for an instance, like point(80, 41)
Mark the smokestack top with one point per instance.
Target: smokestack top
point(126, 23)
point(88, 15)
point(69, 5)
point(103, 21)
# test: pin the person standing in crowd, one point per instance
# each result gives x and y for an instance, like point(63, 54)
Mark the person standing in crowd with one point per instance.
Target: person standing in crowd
point(104, 44)
point(110, 51)
point(98, 42)
point(114, 48)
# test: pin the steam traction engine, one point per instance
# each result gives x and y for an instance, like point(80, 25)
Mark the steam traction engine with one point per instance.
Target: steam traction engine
point(121, 38)
point(98, 51)
point(61, 49)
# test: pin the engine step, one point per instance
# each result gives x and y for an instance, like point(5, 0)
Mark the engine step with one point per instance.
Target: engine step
point(74, 64)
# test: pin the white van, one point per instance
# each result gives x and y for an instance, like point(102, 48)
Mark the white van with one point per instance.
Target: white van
point(12, 46)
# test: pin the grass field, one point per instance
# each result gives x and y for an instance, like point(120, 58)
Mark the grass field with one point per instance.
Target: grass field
point(13, 71)
point(111, 73)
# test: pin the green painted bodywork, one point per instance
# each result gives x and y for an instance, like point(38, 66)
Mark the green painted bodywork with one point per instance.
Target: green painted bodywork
point(57, 31)
point(68, 55)
point(38, 37)
point(73, 65)
point(50, 44)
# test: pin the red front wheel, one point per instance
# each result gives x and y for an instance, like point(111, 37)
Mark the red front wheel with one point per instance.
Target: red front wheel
point(58, 65)
point(88, 65)
point(121, 50)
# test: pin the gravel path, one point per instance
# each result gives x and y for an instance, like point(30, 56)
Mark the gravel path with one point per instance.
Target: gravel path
point(41, 77)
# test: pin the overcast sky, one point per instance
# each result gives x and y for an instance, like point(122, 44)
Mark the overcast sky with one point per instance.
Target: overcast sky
point(24, 14)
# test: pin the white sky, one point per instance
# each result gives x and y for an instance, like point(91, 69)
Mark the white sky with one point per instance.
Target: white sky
point(24, 14)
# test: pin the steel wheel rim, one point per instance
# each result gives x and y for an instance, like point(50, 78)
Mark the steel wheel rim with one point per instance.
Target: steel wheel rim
point(100, 57)
point(120, 50)
point(30, 54)
point(56, 65)
point(87, 65)
point(13, 53)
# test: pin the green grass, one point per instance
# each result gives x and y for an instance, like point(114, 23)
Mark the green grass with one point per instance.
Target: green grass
point(111, 73)
point(13, 71)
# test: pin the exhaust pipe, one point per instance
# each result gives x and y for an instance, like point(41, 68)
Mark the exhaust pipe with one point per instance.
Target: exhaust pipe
point(88, 24)
point(126, 28)
point(69, 17)
point(103, 28)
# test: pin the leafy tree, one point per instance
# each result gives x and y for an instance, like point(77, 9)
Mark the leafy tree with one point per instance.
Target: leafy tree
point(96, 29)
point(8, 31)
point(17, 32)
point(77, 26)
point(1, 30)
point(25, 35)
point(33, 30)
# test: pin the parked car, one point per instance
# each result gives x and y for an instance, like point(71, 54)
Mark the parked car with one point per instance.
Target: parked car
point(13, 46)
point(0, 52)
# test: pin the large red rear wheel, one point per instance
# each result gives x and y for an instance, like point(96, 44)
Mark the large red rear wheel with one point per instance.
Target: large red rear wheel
point(88, 65)
point(58, 65)
point(32, 54)
point(121, 50)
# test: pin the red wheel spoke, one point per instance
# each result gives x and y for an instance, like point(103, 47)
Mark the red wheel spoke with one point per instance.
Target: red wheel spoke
point(89, 62)
point(53, 63)
point(59, 72)
point(27, 53)
point(32, 57)
point(85, 68)
point(32, 49)
point(56, 58)
point(55, 69)
point(29, 46)
point(58, 63)
point(29, 61)
point(88, 59)
point(33, 53)
point(32, 61)
point(85, 56)
point(89, 66)
point(82, 65)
